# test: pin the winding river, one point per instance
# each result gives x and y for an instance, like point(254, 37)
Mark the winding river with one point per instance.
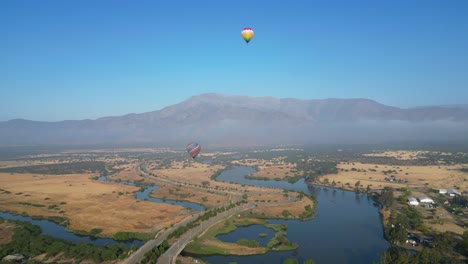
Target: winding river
point(347, 228)
point(55, 230)
point(145, 195)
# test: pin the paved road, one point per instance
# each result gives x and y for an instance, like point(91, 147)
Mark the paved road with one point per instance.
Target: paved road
point(138, 255)
point(170, 255)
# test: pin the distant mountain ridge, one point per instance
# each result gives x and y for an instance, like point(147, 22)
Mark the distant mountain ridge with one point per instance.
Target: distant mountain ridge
point(201, 114)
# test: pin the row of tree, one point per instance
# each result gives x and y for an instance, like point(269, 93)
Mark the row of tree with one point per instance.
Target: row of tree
point(153, 255)
point(28, 240)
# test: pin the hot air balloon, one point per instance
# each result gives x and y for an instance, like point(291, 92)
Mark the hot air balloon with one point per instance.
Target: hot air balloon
point(247, 34)
point(193, 149)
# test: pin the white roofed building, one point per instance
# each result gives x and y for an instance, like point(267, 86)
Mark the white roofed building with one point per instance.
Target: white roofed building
point(426, 200)
point(413, 201)
point(453, 192)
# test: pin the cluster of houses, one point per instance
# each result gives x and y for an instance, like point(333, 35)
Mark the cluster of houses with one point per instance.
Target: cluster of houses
point(394, 179)
point(428, 202)
point(423, 200)
point(415, 240)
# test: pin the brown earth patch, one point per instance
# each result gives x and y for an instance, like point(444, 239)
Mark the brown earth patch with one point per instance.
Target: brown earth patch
point(6, 232)
point(234, 249)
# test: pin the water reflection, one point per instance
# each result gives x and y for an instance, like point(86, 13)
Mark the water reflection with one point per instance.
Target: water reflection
point(58, 231)
point(345, 230)
point(145, 195)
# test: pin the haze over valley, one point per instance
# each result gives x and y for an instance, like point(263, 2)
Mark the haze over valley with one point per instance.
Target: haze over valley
point(231, 120)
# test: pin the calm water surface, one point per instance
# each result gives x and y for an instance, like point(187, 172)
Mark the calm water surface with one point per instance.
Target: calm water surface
point(55, 230)
point(347, 228)
point(249, 232)
point(145, 195)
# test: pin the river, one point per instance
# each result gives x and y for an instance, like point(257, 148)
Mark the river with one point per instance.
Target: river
point(347, 228)
point(55, 230)
point(145, 195)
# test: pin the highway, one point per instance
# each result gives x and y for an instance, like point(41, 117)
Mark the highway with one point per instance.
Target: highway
point(172, 252)
point(138, 255)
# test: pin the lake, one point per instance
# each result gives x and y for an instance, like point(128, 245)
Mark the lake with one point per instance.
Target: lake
point(347, 228)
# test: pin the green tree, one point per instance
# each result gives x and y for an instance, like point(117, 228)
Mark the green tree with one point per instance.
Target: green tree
point(386, 198)
point(356, 185)
point(444, 242)
point(464, 243)
point(291, 261)
point(394, 255)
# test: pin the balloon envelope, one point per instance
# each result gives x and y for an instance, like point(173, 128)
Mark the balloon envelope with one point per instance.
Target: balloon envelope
point(247, 34)
point(193, 149)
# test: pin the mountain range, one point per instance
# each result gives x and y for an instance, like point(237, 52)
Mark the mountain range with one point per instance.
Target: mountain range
point(219, 119)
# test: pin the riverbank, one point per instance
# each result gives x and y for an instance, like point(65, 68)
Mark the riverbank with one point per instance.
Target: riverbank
point(209, 244)
point(318, 237)
point(30, 241)
point(86, 203)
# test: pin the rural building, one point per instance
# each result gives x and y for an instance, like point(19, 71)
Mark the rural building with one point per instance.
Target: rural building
point(413, 201)
point(443, 191)
point(14, 258)
point(453, 192)
point(425, 200)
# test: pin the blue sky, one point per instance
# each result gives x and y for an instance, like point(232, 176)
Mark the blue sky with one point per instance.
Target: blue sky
point(62, 60)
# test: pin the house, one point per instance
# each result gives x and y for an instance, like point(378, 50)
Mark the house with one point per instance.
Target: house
point(443, 191)
point(426, 200)
point(453, 192)
point(413, 201)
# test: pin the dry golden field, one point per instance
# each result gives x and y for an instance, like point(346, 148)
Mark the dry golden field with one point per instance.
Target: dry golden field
point(437, 177)
point(295, 209)
point(195, 173)
point(275, 168)
point(183, 193)
point(406, 154)
point(86, 203)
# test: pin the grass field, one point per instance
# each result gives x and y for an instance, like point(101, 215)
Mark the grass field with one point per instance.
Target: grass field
point(438, 177)
point(274, 169)
point(86, 203)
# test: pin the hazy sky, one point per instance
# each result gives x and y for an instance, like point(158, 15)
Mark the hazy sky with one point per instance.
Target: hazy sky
point(88, 59)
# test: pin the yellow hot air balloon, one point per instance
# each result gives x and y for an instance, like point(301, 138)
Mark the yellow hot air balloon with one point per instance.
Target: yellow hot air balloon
point(247, 34)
